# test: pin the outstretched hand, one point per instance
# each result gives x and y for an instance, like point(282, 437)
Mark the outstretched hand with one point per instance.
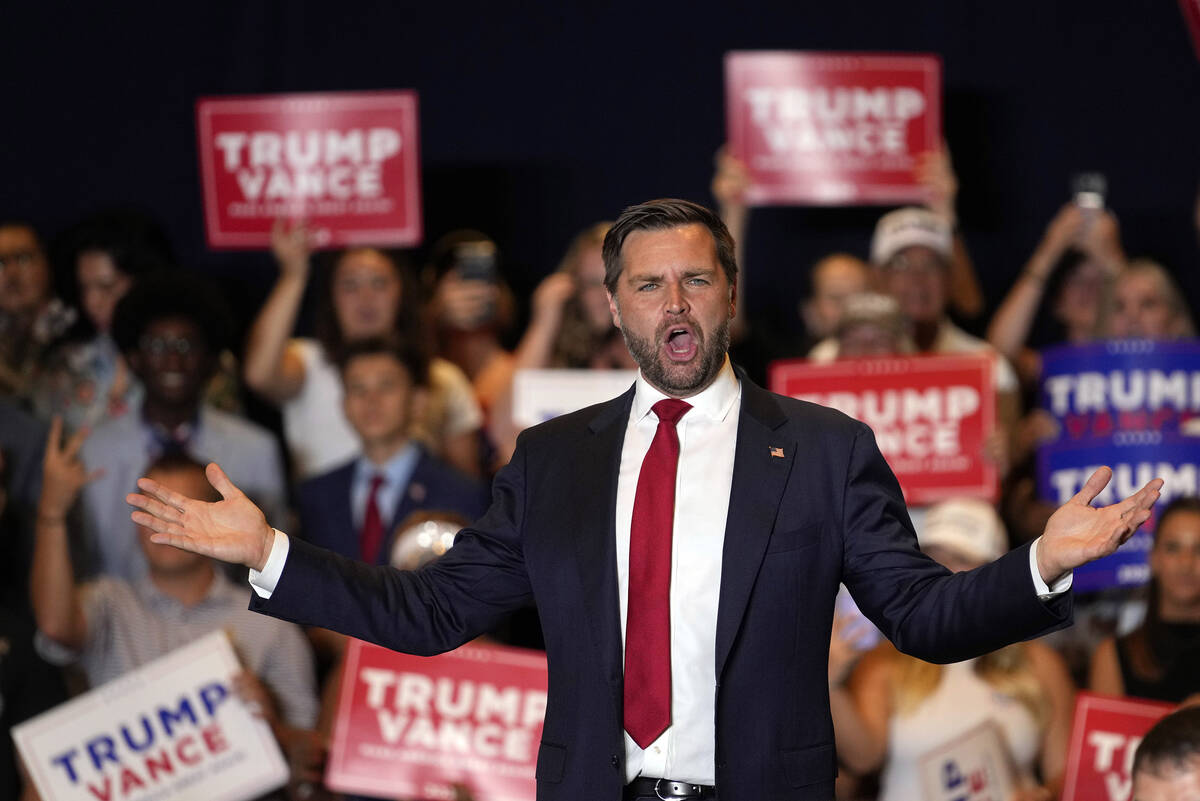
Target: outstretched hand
point(232, 529)
point(1077, 533)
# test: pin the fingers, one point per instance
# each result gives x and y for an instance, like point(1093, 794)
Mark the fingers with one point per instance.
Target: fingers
point(54, 436)
point(158, 492)
point(221, 482)
point(155, 508)
point(1093, 486)
point(75, 443)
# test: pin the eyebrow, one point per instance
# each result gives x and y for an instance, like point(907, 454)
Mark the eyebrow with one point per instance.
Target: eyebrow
point(688, 272)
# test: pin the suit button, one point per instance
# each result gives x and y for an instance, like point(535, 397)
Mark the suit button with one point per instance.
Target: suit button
point(616, 763)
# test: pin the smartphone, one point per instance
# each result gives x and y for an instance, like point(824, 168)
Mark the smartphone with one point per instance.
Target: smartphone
point(1089, 190)
point(476, 261)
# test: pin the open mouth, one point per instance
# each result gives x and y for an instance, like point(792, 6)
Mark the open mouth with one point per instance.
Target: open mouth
point(681, 344)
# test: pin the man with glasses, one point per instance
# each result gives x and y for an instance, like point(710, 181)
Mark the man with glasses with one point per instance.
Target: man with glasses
point(170, 328)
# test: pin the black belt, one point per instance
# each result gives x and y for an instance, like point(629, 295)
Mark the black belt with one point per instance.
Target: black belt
point(668, 790)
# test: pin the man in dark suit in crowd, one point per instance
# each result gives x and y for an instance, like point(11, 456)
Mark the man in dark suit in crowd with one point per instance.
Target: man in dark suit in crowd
point(683, 544)
point(355, 508)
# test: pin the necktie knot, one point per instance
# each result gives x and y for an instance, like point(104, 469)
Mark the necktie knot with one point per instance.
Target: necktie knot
point(376, 482)
point(670, 410)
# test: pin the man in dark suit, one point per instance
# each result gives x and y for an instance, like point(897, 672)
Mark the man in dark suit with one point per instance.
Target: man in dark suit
point(354, 509)
point(684, 555)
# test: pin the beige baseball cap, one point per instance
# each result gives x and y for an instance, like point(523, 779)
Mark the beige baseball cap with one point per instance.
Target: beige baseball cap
point(968, 525)
point(910, 226)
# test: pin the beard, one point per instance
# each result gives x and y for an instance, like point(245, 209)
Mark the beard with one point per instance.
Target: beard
point(680, 379)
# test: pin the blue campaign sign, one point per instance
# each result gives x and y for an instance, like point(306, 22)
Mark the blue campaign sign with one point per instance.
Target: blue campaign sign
point(1106, 389)
point(1133, 406)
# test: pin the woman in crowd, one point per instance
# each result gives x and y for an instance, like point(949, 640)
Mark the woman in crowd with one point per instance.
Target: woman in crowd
point(1074, 265)
point(570, 324)
point(904, 708)
point(85, 381)
point(369, 294)
point(1161, 658)
point(471, 308)
point(1147, 304)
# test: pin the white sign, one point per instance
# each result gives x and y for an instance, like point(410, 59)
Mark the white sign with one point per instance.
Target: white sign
point(973, 767)
point(541, 395)
point(171, 729)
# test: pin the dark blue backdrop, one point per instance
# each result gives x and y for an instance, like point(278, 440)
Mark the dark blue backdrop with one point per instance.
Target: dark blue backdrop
point(540, 118)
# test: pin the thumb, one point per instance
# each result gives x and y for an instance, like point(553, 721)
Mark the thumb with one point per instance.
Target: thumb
point(221, 482)
point(1093, 486)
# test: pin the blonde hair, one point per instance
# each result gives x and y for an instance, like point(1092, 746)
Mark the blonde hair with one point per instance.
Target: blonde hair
point(1008, 670)
point(1181, 317)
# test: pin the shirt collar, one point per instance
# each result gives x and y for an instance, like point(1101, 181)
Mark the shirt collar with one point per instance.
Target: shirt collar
point(396, 471)
point(713, 402)
point(221, 589)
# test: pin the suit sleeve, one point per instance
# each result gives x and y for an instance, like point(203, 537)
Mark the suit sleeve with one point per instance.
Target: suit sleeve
point(925, 610)
point(450, 601)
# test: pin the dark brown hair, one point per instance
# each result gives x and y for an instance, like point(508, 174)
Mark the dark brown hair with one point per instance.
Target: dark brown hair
point(661, 215)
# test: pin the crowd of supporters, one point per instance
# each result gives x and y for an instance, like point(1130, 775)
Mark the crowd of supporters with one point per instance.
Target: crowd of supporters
point(397, 407)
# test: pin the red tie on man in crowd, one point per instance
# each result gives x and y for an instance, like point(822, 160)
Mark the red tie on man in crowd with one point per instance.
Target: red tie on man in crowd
point(648, 617)
point(371, 536)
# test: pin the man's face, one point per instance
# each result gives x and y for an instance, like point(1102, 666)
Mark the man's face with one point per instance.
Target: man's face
point(167, 560)
point(916, 278)
point(378, 397)
point(24, 273)
point(673, 303)
point(172, 360)
point(1173, 785)
point(834, 280)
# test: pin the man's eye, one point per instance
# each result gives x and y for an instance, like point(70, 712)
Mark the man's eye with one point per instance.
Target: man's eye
point(699, 281)
point(647, 286)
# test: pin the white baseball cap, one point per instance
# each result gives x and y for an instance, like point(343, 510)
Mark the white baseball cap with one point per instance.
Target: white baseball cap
point(910, 226)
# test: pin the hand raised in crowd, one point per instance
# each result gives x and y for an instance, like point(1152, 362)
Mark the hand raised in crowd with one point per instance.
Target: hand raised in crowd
point(464, 303)
point(552, 295)
point(1100, 239)
point(291, 243)
point(1063, 231)
point(1077, 533)
point(63, 473)
point(935, 172)
point(233, 529)
point(730, 181)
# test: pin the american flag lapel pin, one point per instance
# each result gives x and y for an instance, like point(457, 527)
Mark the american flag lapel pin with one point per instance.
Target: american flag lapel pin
point(777, 452)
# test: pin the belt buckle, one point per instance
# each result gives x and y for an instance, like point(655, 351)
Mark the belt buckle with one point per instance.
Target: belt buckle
point(672, 796)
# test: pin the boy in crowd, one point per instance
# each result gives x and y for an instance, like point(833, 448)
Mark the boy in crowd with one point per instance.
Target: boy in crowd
point(111, 626)
point(1166, 766)
point(354, 509)
point(171, 330)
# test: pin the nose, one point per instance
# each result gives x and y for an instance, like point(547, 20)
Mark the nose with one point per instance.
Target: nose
point(676, 300)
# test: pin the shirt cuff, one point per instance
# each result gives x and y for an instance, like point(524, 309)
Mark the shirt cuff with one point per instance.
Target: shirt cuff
point(1044, 592)
point(264, 582)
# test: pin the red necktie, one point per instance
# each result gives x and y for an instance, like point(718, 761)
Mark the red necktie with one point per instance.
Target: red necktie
point(648, 617)
point(371, 536)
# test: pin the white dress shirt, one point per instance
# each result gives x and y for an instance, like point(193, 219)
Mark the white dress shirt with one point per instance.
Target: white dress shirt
point(707, 444)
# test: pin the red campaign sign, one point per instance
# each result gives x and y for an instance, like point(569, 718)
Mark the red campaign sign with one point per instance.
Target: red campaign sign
point(931, 415)
point(1104, 737)
point(415, 727)
point(832, 128)
point(347, 162)
point(1191, 15)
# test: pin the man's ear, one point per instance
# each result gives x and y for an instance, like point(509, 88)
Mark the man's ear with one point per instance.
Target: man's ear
point(134, 360)
point(733, 288)
point(613, 309)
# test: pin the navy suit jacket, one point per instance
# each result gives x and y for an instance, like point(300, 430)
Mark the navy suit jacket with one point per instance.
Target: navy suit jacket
point(828, 511)
point(326, 519)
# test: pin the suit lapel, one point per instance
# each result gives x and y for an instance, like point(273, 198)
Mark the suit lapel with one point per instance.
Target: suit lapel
point(762, 462)
point(595, 540)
